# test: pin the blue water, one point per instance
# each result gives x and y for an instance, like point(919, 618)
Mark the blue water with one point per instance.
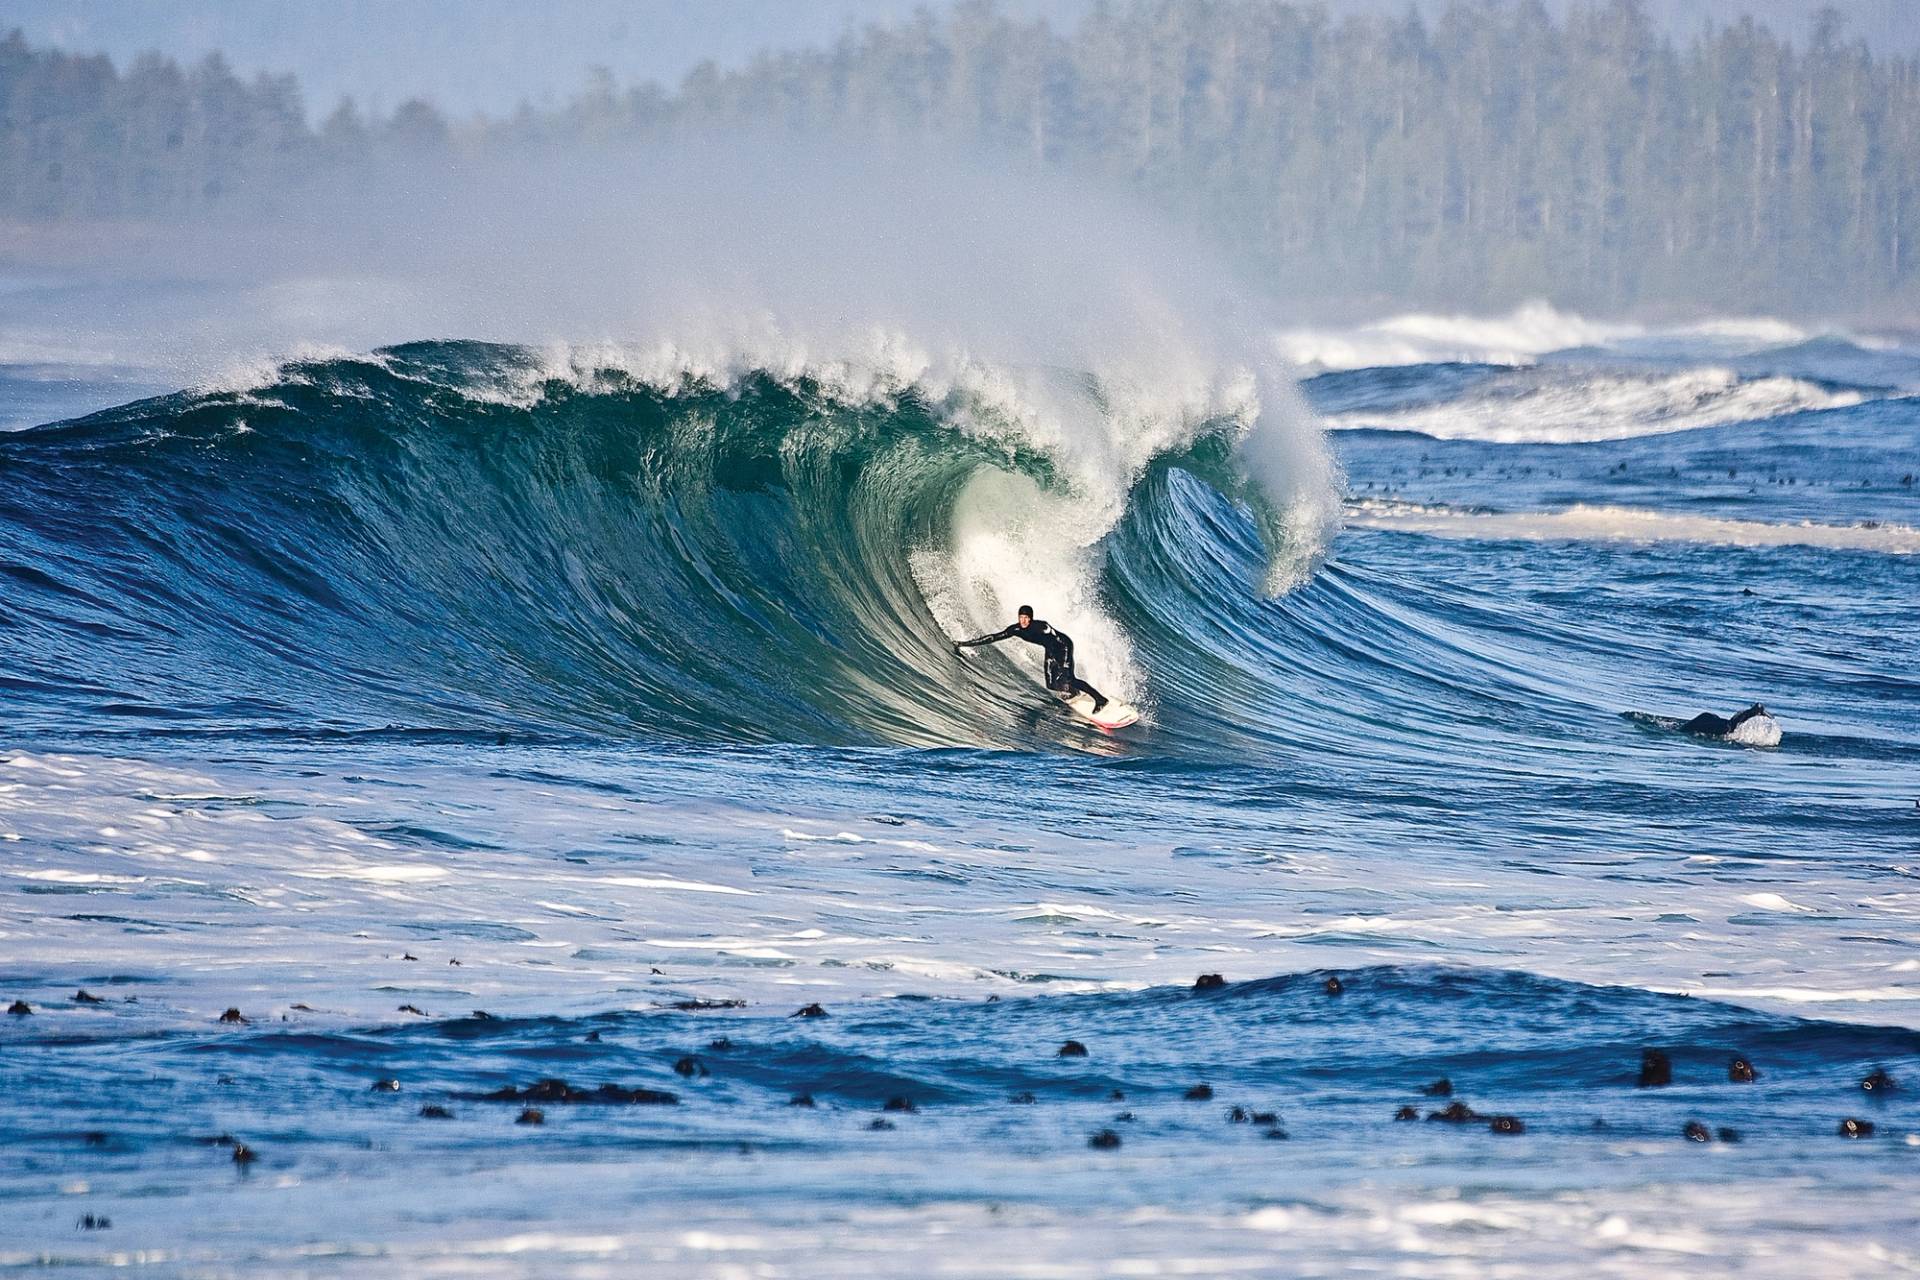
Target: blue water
point(388, 689)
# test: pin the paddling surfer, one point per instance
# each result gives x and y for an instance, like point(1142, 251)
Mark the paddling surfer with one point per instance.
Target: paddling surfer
point(1708, 725)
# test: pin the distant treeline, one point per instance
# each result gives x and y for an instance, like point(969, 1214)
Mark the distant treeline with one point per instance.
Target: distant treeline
point(1491, 154)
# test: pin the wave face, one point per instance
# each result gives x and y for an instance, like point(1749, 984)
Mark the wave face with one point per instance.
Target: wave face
point(475, 538)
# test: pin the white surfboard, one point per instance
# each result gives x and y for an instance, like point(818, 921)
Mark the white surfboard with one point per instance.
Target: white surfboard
point(1115, 715)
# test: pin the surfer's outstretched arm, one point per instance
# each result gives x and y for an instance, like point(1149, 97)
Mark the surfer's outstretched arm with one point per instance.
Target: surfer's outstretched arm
point(994, 638)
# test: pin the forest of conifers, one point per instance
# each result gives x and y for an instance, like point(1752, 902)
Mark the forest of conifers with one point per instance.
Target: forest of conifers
point(1489, 155)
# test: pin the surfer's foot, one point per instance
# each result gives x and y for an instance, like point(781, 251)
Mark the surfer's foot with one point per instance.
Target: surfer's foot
point(1097, 704)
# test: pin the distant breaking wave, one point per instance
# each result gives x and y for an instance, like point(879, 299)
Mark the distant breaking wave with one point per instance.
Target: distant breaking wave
point(1627, 524)
point(1568, 405)
point(1520, 337)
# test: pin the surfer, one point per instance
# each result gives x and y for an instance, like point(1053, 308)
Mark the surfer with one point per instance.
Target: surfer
point(1059, 649)
point(1708, 725)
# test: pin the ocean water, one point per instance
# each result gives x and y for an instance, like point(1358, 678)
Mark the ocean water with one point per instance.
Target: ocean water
point(466, 716)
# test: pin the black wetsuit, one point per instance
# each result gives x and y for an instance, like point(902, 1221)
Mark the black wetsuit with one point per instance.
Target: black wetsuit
point(1708, 725)
point(1059, 647)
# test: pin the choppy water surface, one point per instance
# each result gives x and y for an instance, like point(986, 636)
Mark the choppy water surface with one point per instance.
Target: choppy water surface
point(465, 718)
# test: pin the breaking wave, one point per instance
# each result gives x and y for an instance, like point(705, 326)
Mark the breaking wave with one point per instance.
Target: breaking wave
point(1589, 523)
point(1521, 337)
point(1558, 405)
point(740, 547)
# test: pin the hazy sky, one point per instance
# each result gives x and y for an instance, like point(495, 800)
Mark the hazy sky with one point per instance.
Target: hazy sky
point(471, 55)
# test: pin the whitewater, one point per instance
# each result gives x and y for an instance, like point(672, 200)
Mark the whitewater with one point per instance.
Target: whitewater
point(393, 722)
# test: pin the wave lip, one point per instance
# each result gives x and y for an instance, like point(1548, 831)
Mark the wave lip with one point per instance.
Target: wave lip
point(1585, 523)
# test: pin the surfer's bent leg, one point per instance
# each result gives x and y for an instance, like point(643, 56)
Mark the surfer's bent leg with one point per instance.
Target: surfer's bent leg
point(1060, 679)
point(1081, 686)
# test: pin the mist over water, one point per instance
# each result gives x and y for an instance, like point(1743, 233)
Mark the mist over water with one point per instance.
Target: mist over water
point(490, 625)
